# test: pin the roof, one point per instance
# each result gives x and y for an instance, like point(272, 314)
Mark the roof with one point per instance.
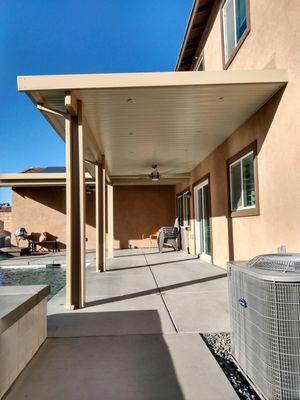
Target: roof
point(198, 20)
point(171, 119)
point(42, 170)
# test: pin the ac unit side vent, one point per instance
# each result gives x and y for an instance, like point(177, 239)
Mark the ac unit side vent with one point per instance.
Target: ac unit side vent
point(265, 324)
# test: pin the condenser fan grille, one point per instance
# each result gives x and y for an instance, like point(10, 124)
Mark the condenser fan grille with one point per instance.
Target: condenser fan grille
point(276, 262)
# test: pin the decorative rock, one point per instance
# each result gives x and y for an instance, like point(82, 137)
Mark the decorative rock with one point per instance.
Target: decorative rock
point(220, 345)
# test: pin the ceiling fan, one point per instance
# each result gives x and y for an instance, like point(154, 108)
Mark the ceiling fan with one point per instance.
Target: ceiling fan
point(154, 175)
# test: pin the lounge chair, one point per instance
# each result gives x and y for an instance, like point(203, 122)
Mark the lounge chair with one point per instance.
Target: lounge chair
point(169, 235)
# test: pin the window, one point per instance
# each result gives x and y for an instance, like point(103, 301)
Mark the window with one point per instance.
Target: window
point(183, 209)
point(179, 210)
point(200, 64)
point(243, 183)
point(186, 208)
point(235, 26)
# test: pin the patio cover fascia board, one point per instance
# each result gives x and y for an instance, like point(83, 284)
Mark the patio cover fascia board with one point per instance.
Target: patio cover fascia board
point(38, 180)
point(172, 99)
point(31, 83)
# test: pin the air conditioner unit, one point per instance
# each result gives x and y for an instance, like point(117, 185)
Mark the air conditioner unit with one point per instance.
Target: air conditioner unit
point(265, 323)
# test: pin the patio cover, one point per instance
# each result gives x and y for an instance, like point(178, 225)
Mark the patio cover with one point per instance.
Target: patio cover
point(171, 119)
point(118, 125)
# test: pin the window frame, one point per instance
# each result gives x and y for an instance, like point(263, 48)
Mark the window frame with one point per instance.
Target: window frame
point(186, 202)
point(226, 63)
point(180, 201)
point(204, 178)
point(179, 205)
point(248, 210)
point(201, 60)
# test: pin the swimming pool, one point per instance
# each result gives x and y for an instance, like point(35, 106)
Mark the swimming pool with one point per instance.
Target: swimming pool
point(53, 276)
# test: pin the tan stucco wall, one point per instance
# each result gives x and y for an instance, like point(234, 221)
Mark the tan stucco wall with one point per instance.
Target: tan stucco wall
point(141, 210)
point(273, 42)
point(5, 222)
point(138, 211)
point(44, 210)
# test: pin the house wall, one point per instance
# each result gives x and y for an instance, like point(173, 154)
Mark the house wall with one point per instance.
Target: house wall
point(43, 209)
point(140, 211)
point(273, 43)
point(5, 221)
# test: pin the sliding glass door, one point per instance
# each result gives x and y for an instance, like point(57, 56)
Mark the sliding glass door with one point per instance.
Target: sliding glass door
point(202, 220)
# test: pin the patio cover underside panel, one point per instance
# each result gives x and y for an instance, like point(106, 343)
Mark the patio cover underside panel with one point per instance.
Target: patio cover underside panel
point(171, 119)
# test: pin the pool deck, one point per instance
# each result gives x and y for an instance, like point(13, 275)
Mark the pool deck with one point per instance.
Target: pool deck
point(139, 336)
point(40, 259)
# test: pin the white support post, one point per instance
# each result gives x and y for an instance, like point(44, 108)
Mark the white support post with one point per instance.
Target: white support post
point(82, 209)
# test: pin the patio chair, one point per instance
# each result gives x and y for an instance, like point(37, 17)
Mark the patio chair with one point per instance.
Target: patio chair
point(43, 241)
point(152, 237)
point(169, 235)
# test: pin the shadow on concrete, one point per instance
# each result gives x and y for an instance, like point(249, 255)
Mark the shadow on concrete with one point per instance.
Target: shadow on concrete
point(101, 366)
point(152, 265)
point(5, 255)
point(86, 324)
point(154, 291)
point(165, 250)
point(134, 255)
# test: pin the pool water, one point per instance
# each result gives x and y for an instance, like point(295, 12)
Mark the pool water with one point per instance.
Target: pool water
point(55, 277)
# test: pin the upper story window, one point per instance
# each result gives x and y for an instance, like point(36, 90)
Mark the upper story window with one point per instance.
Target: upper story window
point(236, 26)
point(243, 183)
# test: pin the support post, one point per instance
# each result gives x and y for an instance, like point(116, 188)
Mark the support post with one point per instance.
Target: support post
point(82, 209)
point(75, 211)
point(100, 216)
point(110, 221)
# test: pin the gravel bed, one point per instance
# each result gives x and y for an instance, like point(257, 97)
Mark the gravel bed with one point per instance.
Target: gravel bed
point(219, 345)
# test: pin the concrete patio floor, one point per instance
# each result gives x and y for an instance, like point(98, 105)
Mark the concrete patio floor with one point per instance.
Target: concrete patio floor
point(139, 336)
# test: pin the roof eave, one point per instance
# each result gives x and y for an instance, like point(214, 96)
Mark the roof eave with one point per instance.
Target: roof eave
point(186, 35)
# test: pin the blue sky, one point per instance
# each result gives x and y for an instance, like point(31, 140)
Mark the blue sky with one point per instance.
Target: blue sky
point(74, 36)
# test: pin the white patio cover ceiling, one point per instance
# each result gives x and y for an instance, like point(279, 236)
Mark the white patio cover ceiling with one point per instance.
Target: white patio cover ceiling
point(172, 119)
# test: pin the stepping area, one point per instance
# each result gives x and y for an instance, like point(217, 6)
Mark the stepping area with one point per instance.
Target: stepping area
point(139, 335)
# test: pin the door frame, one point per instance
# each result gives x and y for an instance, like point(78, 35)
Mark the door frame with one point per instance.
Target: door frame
point(204, 178)
point(184, 227)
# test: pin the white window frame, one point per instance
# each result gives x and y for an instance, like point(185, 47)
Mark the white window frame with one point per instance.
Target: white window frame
point(200, 246)
point(239, 161)
point(236, 42)
point(180, 208)
point(201, 60)
point(184, 196)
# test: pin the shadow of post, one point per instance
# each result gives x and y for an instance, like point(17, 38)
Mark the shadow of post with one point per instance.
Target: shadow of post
point(101, 355)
